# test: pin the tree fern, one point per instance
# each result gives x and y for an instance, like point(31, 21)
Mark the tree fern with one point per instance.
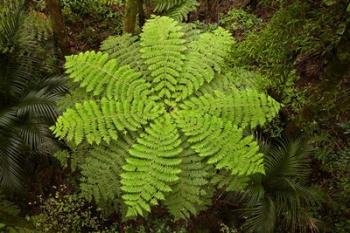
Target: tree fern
point(182, 133)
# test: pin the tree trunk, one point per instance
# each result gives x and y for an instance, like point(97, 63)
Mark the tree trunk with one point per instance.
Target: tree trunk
point(142, 15)
point(132, 8)
point(57, 22)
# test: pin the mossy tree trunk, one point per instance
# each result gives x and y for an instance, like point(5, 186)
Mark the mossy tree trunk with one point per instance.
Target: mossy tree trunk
point(57, 22)
point(131, 10)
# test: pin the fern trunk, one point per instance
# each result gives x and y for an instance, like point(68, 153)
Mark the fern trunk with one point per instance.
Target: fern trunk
point(57, 22)
point(132, 8)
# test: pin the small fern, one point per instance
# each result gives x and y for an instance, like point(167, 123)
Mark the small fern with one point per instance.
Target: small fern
point(183, 132)
point(176, 9)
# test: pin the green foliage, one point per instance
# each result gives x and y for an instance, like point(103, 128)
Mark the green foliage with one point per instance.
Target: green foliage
point(83, 7)
point(178, 130)
point(67, 213)
point(27, 95)
point(10, 221)
point(239, 21)
point(156, 225)
point(226, 229)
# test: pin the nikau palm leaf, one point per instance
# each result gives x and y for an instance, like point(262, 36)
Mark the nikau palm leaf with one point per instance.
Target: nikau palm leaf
point(179, 130)
point(280, 197)
point(27, 97)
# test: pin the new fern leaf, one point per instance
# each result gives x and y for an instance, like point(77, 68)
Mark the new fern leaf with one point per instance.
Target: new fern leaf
point(165, 58)
point(184, 128)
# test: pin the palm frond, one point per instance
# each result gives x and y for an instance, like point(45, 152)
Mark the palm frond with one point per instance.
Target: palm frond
point(280, 196)
point(11, 171)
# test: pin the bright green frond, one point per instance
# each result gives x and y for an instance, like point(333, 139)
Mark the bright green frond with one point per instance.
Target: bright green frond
point(103, 76)
point(162, 48)
point(242, 107)
point(101, 172)
point(188, 195)
point(152, 167)
point(101, 121)
point(125, 49)
point(221, 142)
point(205, 58)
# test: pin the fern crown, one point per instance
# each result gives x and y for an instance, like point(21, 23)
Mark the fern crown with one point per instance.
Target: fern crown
point(165, 91)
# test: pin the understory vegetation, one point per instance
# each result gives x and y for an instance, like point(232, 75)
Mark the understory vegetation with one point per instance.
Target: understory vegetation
point(175, 116)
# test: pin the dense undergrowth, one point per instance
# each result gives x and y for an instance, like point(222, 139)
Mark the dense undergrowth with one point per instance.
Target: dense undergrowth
point(288, 58)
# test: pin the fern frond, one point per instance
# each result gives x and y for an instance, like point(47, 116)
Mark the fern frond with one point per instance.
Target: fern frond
point(152, 167)
point(163, 5)
point(37, 25)
point(206, 57)
point(242, 107)
point(221, 142)
point(188, 195)
point(125, 49)
point(162, 47)
point(101, 172)
point(100, 75)
point(235, 78)
point(230, 183)
point(97, 121)
point(180, 11)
